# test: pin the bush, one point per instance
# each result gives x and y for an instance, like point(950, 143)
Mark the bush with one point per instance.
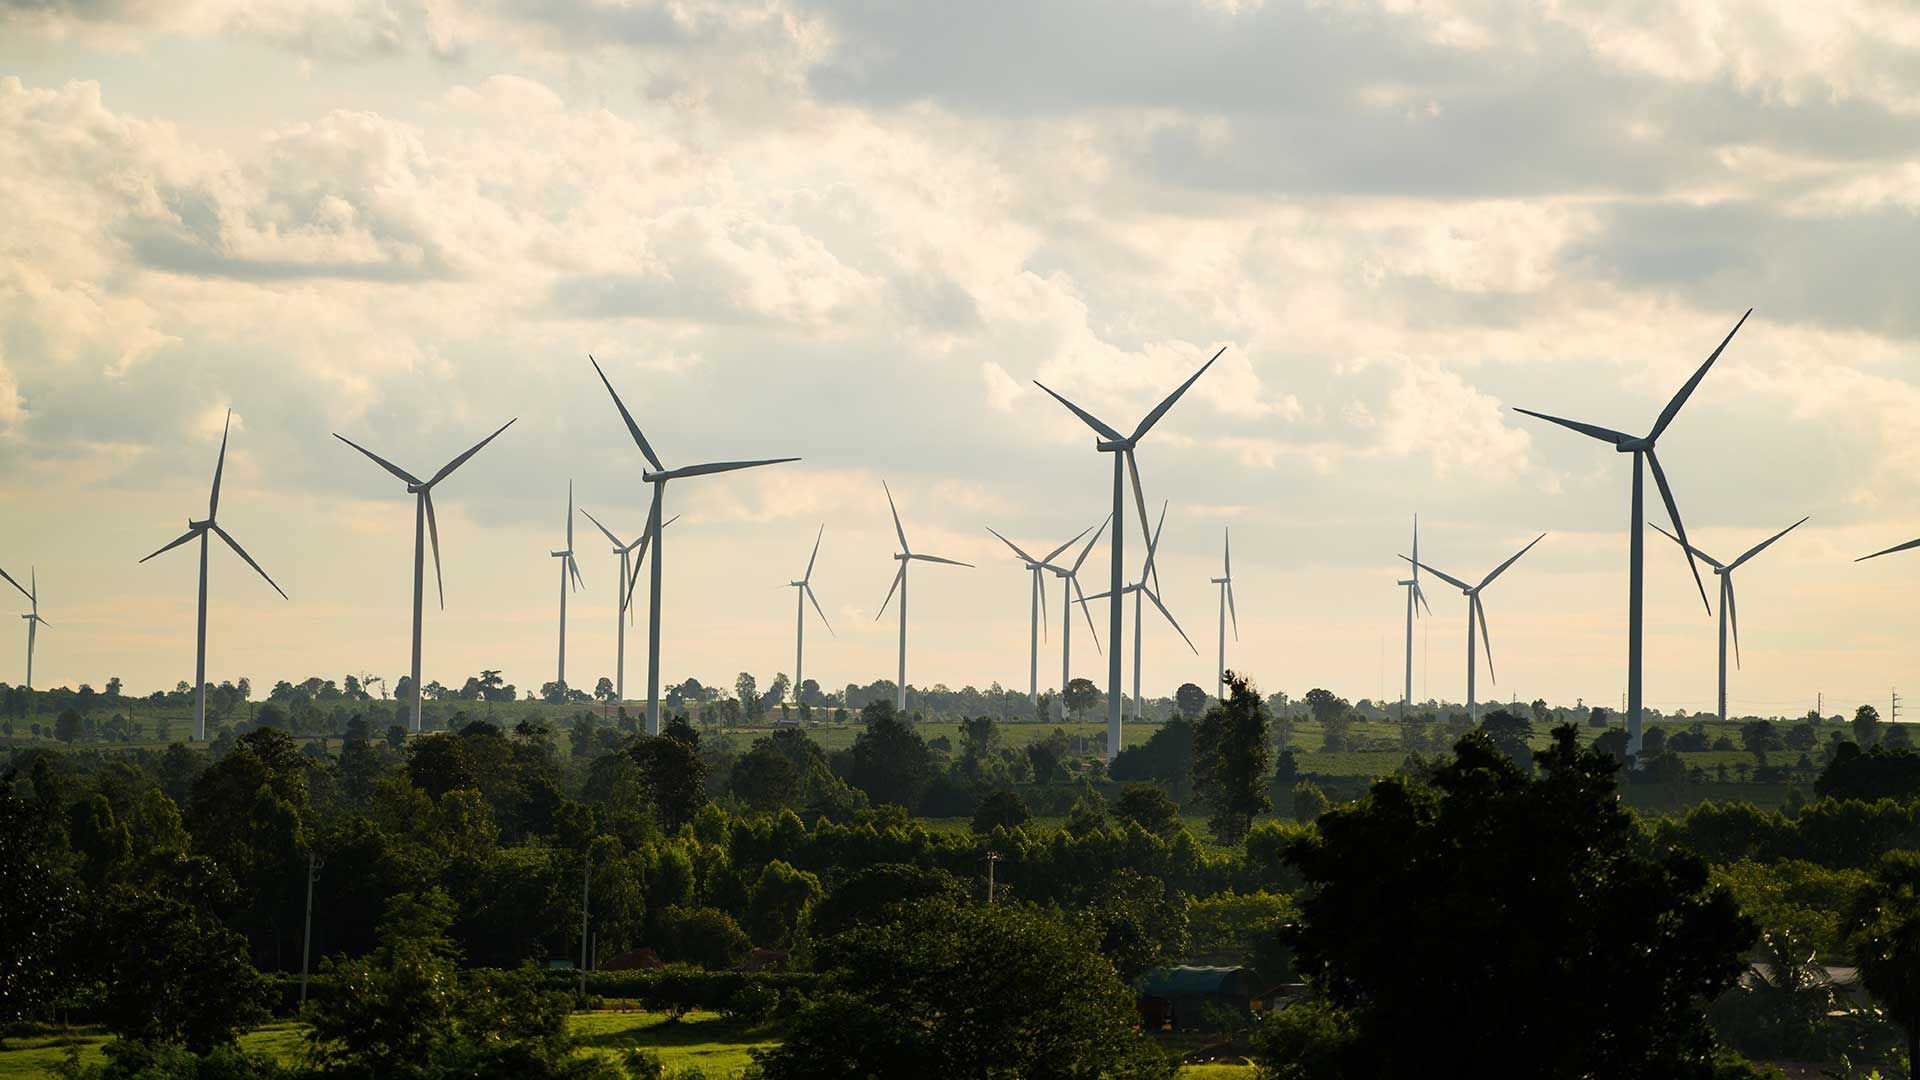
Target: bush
point(1001, 810)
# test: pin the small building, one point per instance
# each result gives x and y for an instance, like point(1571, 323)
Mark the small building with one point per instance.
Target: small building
point(1183, 998)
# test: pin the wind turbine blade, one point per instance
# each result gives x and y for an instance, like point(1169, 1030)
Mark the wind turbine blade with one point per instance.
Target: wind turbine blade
point(653, 459)
point(1863, 558)
point(1153, 548)
point(646, 539)
point(890, 590)
point(1733, 616)
point(1480, 609)
point(938, 559)
point(1764, 544)
point(808, 589)
point(901, 532)
point(1160, 410)
point(808, 576)
point(242, 552)
point(604, 531)
point(1140, 504)
point(1710, 560)
point(1443, 576)
point(447, 469)
point(726, 466)
point(1075, 582)
point(433, 532)
point(1097, 596)
point(1673, 407)
point(219, 466)
point(1421, 595)
point(1502, 568)
point(1227, 534)
point(43, 622)
point(1088, 550)
point(1091, 420)
point(569, 518)
point(1235, 615)
point(573, 565)
point(380, 461)
point(15, 584)
point(1680, 530)
point(1055, 553)
point(191, 533)
point(1030, 560)
point(1607, 435)
point(1170, 619)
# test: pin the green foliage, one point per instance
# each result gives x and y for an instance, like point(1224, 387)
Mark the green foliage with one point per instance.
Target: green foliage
point(957, 990)
point(173, 974)
point(1001, 810)
point(1877, 773)
point(1148, 806)
point(890, 760)
point(1460, 921)
point(1309, 802)
point(705, 936)
point(1141, 923)
point(1804, 901)
point(1886, 941)
point(1231, 749)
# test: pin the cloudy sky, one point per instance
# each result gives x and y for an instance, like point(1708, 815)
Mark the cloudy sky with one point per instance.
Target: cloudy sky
point(857, 232)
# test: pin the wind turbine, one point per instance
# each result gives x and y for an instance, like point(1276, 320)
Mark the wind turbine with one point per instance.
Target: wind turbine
point(1414, 593)
point(905, 556)
point(1122, 446)
point(658, 475)
point(34, 621)
point(569, 567)
point(424, 526)
point(1475, 608)
point(1037, 606)
point(1642, 449)
point(803, 594)
point(1225, 581)
point(1070, 585)
point(1728, 612)
point(200, 529)
point(1141, 588)
point(624, 609)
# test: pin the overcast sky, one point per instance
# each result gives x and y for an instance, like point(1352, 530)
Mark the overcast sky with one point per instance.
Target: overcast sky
point(857, 232)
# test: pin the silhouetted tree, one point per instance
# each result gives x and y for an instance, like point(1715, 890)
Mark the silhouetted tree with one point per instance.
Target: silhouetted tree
point(1230, 753)
point(1190, 700)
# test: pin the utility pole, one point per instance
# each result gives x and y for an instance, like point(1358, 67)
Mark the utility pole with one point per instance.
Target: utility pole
point(586, 881)
point(314, 863)
point(993, 857)
point(1893, 714)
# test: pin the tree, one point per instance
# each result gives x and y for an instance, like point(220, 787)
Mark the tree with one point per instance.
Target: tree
point(114, 686)
point(1760, 737)
point(1045, 755)
point(1886, 941)
point(956, 990)
point(1230, 754)
point(1309, 802)
point(603, 690)
point(1081, 695)
point(705, 936)
point(1190, 700)
point(1166, 756)
point(780, 900)
point(747, 692)
point(1148, 806)
point(1879, 773)
point(1488, 954)
point(1510, 735)
point(674, 771)
point(176, 975)
point(1866, 725)
point(1324, 703)
point(1001, 810)
point(1141, 921)
point(890, 760)
point(765, 778)
point(67, 727)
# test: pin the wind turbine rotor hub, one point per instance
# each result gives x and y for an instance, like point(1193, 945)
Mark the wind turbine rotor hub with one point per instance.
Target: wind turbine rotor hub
point(1631, 445)
point(1114, 447)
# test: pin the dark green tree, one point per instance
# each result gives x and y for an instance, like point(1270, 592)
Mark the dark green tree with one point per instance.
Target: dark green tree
point(766, 778)
point(1886, 942)
point(1148, 806)
point(675, 773)
point(1001, 809)
point(1190, 700)
point(1231, 748)
point(173, 974)
point(890, 760)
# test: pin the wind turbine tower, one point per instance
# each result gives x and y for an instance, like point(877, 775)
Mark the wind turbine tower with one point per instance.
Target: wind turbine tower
point(1139, 589)
point(624, 609)
point(1414, 594)
point(1729, 613)
point(569, 568)
point(1225, 581)
point(803, 592)
point(34, 621)
point(1037, 606)
point(1069, 587)
point(1477, 610)
point(905, 556)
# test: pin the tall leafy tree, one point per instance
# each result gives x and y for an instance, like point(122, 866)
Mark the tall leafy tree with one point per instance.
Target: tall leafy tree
point(1231, 750)
point(1887, 942)
point(890, 761)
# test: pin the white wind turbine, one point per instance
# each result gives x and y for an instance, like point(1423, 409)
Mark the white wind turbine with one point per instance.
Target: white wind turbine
point(200, 529)
point(803, 594)
point(1037, 606)
point(658, 475)
point(1642, 450)
point(1069, 586)
point(628, 564)
point(1414, 594)
point(569, 568)
point(1122, 446)
point(1138, 589)
point(1225, 581)
point(905, 556)
point(1729, 614)
point(424, 526)
point(1477, 609)
point(34, 621)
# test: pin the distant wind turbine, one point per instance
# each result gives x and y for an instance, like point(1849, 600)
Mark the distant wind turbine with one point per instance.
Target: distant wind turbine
point(1069, 586)
point(1476, 609)
point(629, 562)
point(1643, 449)
point(804, 594)
point(1037, 605)
point(1142, 588)
point(1225, 581)
point(905, 556)
point(1728, 612)
point(1122, 446)
point(658, 475)
point(34, 621)
point(424, 526)
point(200, 529)
point(569, 568)
point(1414, 593)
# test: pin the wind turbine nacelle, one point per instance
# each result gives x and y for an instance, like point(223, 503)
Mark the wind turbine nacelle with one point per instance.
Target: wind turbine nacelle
point(415, 489)
point(796, 584)
point(1220, 580)
point(1107, 446)
point(1629, 446)
point(652, 477)
point(198, 526)
point(561, 554)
